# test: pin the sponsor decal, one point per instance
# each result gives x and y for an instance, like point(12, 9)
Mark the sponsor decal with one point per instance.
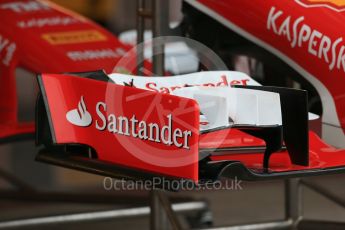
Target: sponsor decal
point(79, 116)
point(43, 22)
point(222, 82)
point(337, 5)
point(300, 34)
point(7, 49)
point(170, 84)
point(73, 37)
point(25, 7)
point(85, 55)
point(122, 125)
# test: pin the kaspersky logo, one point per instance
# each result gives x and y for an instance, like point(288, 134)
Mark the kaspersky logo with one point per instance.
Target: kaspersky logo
point(79, 116)
point(337, 5)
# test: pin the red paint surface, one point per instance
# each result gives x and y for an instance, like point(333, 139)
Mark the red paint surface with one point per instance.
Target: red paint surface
point(63, 94)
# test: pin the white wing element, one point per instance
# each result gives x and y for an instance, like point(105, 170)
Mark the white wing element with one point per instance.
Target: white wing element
point(225, 106)
point(171, 83)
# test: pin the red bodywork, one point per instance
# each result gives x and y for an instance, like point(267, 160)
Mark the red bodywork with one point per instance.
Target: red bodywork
point(63, 93)
point(55, 40)
point(43, 37)
point(306, 34)
point(321, 156)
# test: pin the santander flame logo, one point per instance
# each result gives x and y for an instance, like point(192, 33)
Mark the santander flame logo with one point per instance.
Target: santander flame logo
point(79, 116)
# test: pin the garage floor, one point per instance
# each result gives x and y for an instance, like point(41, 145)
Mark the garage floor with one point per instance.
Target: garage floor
point(259, 201)
point(256, 202)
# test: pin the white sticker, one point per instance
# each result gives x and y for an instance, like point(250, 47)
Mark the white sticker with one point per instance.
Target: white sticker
point(84, 55)
point(25, 7)
point(44, 22)
point(7, 49)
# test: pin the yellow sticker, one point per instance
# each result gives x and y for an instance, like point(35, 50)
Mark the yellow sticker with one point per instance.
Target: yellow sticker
point(337, 5)
point(73, 37)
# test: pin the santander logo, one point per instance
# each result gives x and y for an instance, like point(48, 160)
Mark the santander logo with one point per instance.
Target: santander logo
point(167, 133)
point(79, 116)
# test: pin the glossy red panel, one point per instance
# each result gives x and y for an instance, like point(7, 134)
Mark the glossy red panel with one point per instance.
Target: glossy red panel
point(306, 34)
point(86, 111)
point(228, 138)
point(40, 36)
point(321, 156)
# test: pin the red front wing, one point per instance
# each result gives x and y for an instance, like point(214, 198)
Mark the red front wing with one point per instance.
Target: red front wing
point(113, 123)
